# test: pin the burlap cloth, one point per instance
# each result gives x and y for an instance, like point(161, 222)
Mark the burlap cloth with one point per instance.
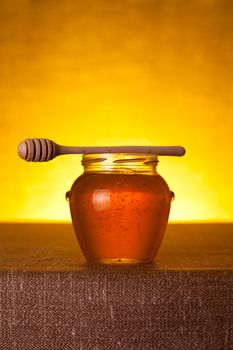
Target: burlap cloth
point(44, 305)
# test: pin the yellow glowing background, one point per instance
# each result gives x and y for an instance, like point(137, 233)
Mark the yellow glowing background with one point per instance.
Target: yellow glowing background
point(101, 72)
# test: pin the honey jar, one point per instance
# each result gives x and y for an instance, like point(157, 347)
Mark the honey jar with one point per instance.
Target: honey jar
point(120, 207)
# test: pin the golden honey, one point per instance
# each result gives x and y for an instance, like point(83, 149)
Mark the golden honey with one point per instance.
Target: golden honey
point(120, 207)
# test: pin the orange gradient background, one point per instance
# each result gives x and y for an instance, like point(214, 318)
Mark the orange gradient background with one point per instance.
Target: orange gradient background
point(100, 72)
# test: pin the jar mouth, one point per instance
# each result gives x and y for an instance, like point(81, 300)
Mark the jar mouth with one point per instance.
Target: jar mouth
point(117, 162)
point(119, 157)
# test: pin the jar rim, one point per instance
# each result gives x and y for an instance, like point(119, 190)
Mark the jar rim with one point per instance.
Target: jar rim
point(119, 157)
point(120, 162)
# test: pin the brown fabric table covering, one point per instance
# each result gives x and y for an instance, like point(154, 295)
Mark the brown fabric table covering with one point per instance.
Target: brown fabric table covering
point(50, 298)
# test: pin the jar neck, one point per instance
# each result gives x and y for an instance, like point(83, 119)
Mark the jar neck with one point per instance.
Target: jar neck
point(121, 163)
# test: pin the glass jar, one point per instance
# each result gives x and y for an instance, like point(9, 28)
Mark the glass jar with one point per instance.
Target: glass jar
point(119, 208)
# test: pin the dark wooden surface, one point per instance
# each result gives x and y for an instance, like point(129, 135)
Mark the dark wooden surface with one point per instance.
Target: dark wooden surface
point(53, 247)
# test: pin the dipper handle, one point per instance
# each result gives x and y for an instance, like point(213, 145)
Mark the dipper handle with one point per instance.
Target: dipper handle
point(43, 150)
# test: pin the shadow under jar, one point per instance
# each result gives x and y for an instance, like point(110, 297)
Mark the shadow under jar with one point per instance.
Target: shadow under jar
point(119, 208)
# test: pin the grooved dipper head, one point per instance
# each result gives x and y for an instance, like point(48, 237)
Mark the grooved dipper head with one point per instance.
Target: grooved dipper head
point(37, 150)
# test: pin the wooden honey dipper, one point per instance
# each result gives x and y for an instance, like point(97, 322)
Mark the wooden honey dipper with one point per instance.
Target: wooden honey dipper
point(43, 150)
